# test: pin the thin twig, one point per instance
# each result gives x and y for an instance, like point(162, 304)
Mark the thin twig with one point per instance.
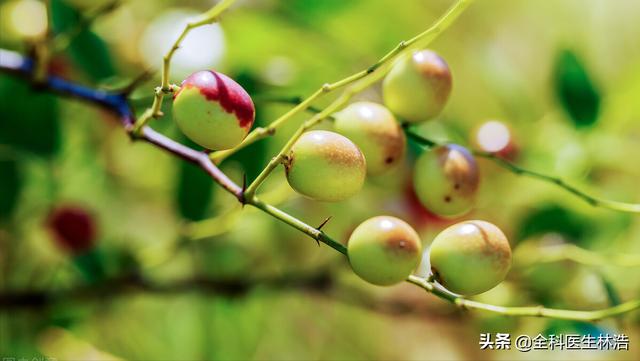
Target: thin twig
point(372, 73)
point(117, 103)
point(530, 311)
point(573, 253)
point(62, 40)
point(135, 283)
point(155, 111)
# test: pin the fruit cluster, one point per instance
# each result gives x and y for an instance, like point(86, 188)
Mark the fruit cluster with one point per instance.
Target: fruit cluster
point(368, 139)
point(467, 258)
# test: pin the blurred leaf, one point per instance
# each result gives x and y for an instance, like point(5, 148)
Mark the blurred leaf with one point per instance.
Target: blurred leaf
point(575, 90)
point(87, 50)
point(554, 219)
point(194, 191)
point(91, 265)
point(612, 294)
point(10, 184)
point(118, 260)
point(313, 10)
point(29, 117)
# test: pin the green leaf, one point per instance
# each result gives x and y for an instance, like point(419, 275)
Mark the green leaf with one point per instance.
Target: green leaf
point(90, 53)
point(194, 191)
point(29, 117)
point(90, 265)
point(10, 185)
point(575, 90)
point(87, 50)
point(554, 219)
point(63, 17)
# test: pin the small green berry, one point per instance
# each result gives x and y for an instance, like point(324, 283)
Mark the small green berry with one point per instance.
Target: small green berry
point(418, 86)
point(470, 257)
point(213, 110)
point(376, 132)
point(384, 250)
point(446, 180)
point(326, 166)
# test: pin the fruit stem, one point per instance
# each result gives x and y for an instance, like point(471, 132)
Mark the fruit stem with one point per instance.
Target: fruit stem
point(206, 18)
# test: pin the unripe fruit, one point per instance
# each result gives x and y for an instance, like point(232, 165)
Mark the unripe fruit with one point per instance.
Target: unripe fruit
point(418, 86)
point(73, 228)
point(446, 179)
point(325, 166)
point(384, 250)
point(213, 110)
point(376, 132)
point(470, 257)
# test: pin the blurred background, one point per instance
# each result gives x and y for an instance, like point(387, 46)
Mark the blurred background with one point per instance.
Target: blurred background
point(115, 250)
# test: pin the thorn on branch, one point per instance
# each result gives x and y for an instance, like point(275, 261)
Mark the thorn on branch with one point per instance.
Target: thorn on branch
point(319, 228)
point(244, 182)
point(243, 200)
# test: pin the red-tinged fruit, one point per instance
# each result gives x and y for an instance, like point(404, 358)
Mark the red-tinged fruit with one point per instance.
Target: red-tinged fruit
point(213, 110)
point(421, 216)
point(73, 228)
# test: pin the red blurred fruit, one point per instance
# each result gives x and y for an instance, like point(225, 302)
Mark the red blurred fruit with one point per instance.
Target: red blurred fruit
point(420, 215)
point(73, 228)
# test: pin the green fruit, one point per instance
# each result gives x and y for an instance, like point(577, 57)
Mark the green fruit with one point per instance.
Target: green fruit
point(470, 257)
point(376, 132)
point(325, 166)
point(213, 110)
point(418, 86)
point(446, 180)
point(384, 250)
